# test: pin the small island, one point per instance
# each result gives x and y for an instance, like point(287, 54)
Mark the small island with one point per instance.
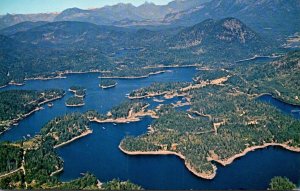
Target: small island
point(107, 83)
point(75, 102)
point(78, 91)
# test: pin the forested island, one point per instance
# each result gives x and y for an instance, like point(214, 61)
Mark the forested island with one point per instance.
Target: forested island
point(238, 122)
point(78, 91)
point(107, 83)
point(74, 101)
point(18, 104)
point(78, 99)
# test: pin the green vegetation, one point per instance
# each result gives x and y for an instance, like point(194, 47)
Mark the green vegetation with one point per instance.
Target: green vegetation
point(15, 181)
point(65, 128)
point(11, 157)
point(159, 88)
point(130, 72)
point(119, 185)
point(42, 164)
point(87, 182)
point(16, 104)
point(280, 78)
point(78, 91)
point(281, 183)
point(74, 101)
point(209, 75)
point(123, 110)
point(39, 164)
point(107, 83)
point(236, 120)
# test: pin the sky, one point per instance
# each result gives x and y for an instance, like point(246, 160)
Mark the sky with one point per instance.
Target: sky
point(46, 6)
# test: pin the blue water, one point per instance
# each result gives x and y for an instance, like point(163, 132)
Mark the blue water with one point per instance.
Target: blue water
point(284, 107)
point(98, 152)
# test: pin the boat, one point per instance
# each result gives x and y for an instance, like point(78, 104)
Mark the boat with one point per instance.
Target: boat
point(50, 104)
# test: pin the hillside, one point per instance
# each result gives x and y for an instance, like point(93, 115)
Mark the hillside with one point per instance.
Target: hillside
point(267, 16)
point(220, 39)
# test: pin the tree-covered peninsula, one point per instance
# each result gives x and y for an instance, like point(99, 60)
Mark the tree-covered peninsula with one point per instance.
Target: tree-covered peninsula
point(35, 164)
point(18, 104)
point(225, 99)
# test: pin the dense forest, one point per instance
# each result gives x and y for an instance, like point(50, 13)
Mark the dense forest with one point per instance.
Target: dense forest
point(281, 183)
point(123, 110)
point(65, 128)
point(78, 91)
point(15, 104)
point(11, 157)
point(158, 89)
point(120, 185)
point(74, 101)
point(237, 120)
point(107, 83)
point(37, 164)
point(87, 182)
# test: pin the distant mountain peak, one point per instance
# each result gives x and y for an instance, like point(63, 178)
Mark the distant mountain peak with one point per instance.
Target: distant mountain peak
point(226, 31)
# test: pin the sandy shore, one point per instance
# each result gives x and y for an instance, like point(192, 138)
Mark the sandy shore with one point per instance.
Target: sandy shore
point(247, 150)
point(132, 77)
point(173, 66)
point(256, 56)
point(85, 133)
point(107, 87)
point(134, 118)
point(59, 75)
point(152, 94)
point(208, 176)
point(78, 105)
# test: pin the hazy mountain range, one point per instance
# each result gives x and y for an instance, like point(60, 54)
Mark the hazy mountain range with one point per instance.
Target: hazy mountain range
point(83, 46)
point(266, 16)
point(107, 15)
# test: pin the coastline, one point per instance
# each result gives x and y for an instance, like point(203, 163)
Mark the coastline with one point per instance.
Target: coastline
point(78, 105)
point(230, 160)
point(173, 66)
point(187, 164)
point(60, 75)
point(257, 56)
point(15, 121)
point(132, 77)
point(132, 117)
point(109, 86)
point(222, 162)
point(148, 95)
point(256, 96)
point(85, 133)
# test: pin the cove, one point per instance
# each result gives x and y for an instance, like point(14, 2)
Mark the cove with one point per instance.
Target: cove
point(98, 152)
